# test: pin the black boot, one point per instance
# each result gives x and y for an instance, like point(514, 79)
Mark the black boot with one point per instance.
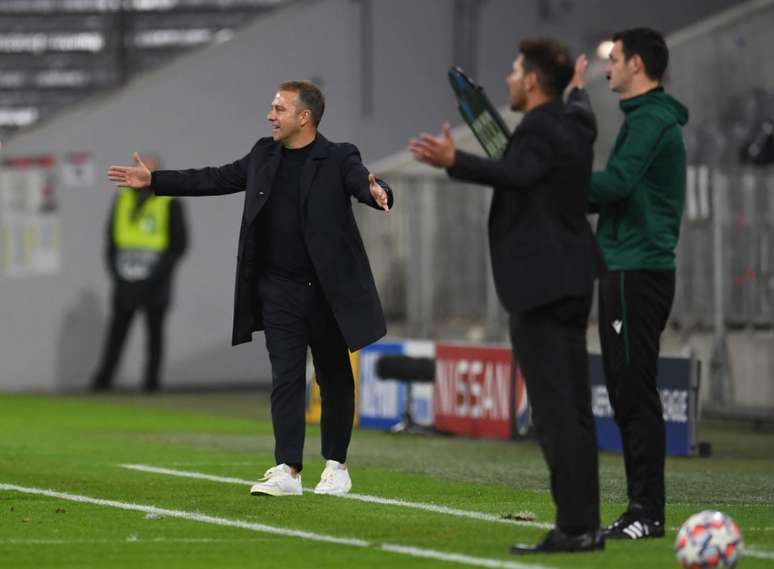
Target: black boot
point(633, 525)
point(557, 541)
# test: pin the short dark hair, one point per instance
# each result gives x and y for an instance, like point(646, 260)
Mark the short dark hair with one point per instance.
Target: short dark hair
point(309, 95)
point(649, 45)
point(551, 62)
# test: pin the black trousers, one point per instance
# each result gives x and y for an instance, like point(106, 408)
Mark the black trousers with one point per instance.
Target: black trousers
point(633, 311)
point(123, 311)
point(549, 344)
point(297, 316)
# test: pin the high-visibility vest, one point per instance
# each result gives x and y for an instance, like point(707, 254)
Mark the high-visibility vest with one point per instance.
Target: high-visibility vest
point(139, 239)
point(149, 230)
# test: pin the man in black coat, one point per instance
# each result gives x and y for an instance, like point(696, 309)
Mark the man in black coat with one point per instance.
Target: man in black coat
point(302, 272)
point(545, 259)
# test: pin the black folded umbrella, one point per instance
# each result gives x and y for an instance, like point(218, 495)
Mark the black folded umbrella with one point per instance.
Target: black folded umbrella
point(479, 113)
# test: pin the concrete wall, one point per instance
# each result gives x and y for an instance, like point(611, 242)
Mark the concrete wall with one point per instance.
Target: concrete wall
point(208, 108)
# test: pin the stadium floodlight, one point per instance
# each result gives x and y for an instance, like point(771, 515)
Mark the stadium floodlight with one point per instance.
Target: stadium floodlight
point(604, 48)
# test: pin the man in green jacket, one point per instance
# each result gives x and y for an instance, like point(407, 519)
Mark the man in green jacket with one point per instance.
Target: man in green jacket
point(639, 197)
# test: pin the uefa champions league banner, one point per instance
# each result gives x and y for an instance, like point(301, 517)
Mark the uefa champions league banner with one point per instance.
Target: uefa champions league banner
point(678, 385)
point(479, 392)
point(382, 400)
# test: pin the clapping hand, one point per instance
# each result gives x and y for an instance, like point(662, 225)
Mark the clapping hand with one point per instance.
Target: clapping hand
point(436, 151)
point(579, 77)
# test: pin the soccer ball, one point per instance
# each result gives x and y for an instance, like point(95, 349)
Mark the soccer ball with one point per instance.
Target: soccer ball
point(708, 540)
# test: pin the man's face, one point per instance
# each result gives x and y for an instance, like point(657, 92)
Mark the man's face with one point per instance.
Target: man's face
point(619, 70)
point(285, 117)
point(516, 85)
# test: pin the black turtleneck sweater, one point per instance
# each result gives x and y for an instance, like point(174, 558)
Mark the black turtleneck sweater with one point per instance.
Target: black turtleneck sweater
point(280, 232)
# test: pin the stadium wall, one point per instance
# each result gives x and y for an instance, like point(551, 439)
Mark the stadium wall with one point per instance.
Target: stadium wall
point(207, 108)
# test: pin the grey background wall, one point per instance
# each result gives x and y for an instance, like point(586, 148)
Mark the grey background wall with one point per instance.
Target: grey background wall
point(208, 108)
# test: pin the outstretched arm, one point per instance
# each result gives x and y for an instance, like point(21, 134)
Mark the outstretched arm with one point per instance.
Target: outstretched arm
point(363, 185)
point(210, 181)
point(527, 160)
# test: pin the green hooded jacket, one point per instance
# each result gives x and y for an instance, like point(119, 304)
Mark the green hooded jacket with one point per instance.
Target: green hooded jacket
point(641, 193)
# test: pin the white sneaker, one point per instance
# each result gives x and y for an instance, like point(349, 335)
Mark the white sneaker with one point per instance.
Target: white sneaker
point(335, 479)
point(278, 481)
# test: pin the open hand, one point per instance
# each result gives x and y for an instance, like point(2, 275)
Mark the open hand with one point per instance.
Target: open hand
point(378, 193)
point(138, 176)
point(437, 151)
point(579, 77)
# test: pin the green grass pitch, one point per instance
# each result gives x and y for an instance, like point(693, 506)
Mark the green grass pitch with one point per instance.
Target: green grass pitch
point(75, 446)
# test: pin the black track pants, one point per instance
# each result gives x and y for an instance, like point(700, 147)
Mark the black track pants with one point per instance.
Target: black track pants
point(633, 311)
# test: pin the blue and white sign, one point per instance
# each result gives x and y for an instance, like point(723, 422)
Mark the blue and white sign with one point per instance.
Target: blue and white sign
point(383, 401)
point(678, 386)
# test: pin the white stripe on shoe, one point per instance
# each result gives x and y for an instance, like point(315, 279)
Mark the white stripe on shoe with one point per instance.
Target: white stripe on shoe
point(636, 530)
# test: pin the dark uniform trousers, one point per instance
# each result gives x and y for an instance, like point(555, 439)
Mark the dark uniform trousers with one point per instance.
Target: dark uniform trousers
point(296, 315)
point(633, 311)
point(549, 343)
point(124, 310)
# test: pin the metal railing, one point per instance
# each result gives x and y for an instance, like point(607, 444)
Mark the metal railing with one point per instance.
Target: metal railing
point(726, 245)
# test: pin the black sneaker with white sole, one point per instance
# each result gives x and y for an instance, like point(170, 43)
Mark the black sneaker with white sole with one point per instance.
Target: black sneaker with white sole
point(634, 526)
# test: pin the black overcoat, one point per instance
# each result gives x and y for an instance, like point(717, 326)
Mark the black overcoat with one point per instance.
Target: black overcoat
point(541, 244)
point(332, 175)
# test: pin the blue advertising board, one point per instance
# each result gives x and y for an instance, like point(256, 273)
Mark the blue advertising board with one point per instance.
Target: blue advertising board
point(382, 400)
point(678, 386)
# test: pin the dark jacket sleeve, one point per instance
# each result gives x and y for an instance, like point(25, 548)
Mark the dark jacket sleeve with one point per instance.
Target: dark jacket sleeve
point(209, 181)
point(579, 104)
point(529, 158)
point(631, 160)
point(178, 241)
point(356, 179)
point(578, 101)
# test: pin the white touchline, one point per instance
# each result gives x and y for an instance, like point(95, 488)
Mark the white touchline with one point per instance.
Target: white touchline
point(359, 497)
point(759, 553)
point(262, 528)
point(131, 539)
point(194, 516)
point(443, 556)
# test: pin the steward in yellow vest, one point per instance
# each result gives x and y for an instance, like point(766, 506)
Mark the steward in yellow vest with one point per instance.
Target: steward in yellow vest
point(146, 237)
point(140, 233)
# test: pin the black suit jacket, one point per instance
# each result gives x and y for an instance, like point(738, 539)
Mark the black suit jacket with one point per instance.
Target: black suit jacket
point(331, 176)
point(541, 244)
